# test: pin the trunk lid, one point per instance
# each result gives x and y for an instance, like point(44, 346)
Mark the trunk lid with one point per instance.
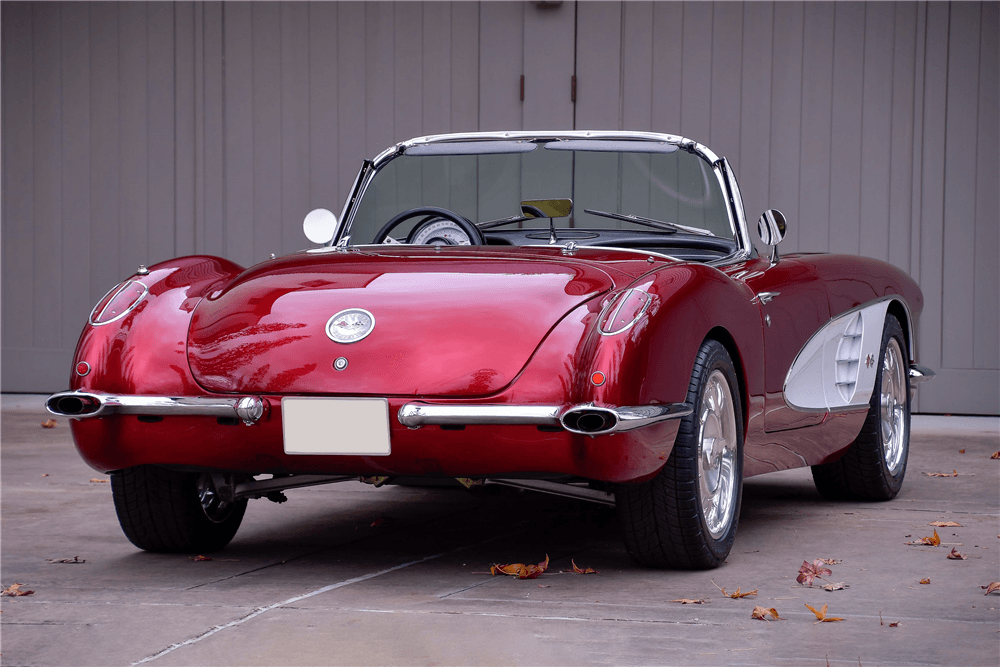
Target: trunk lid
point(447, 323)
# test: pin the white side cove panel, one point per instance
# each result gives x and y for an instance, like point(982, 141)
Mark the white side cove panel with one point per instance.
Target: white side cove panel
point(836, 368)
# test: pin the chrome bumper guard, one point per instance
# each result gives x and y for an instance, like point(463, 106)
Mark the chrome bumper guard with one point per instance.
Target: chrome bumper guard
point(584, 419)
point(81, 405)
point(920, 374)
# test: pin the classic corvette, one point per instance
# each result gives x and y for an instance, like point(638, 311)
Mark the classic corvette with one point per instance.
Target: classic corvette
point(578, 313)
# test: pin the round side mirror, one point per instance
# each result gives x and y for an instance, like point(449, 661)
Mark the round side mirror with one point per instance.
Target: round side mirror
point(319, 226)
point(771, 226)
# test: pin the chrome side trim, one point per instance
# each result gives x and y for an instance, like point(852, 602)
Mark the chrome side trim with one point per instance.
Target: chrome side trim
point(415, 415)
point(83, 405)
point(920, 374)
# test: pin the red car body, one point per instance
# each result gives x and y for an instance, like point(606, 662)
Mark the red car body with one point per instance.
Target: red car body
point(469, 326)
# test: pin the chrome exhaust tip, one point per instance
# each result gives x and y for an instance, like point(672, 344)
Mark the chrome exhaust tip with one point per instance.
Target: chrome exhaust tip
point(72, 404)
point(589, 420)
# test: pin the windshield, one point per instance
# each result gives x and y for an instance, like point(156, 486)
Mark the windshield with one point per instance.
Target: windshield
point(608, 182)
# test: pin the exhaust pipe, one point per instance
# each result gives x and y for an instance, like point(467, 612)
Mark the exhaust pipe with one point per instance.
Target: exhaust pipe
point(590, 420)
point(73, 405)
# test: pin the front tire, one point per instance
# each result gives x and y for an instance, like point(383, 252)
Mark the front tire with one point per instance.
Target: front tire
point(686, 516)
point(168, 511)
point(874, 466)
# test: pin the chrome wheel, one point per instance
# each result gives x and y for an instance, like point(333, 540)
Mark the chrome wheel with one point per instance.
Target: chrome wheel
point(717, 438)
point(892, 413)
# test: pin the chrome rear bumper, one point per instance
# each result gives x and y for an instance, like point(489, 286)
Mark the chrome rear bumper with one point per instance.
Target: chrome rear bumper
point(585, 419)
point(920, 373)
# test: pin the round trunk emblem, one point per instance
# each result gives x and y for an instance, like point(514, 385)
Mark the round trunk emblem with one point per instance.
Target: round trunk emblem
point(350, 326)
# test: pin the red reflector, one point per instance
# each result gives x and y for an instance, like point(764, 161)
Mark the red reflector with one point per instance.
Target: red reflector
point(82, 368)
point(597, 378)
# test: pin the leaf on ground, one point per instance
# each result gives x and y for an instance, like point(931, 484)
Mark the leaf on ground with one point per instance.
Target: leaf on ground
point(49, 423)
point(45, 474)
point(955, 555)
point(894, 624)
point(690, 601)
point(580, 570)
point(995, 586)
point(932, 541)
point(961, 451)
point(953, 473)
point(74, 560)
point(762, 613)
point(810, 571)
point(199, 557)
point(14, 591)
point(925, 580)
point(831, 561)
point(996, 455)
point(520, 570)
point(95, 480)
point(839, 586)
point(545, 585)
point(946, 524)
point(737, 595)
point(821, 615)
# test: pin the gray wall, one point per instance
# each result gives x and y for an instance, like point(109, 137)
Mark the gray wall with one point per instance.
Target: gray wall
point(136, 132)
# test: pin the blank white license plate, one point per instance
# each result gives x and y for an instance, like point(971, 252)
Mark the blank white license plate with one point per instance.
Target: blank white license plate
point(357, 426)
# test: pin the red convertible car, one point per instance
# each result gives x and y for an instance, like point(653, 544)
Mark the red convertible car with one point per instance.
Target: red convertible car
point(579, 313)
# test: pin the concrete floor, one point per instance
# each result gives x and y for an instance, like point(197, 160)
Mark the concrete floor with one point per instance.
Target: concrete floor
point(349, 574)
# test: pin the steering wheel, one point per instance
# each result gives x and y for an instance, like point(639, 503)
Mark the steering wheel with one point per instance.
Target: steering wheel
point(475, 236)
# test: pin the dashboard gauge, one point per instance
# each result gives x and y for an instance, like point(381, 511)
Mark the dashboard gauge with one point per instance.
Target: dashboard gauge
point(442, 232)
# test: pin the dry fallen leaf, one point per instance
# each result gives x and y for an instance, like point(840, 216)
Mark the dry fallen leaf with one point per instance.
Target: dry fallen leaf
point(14, 590)
point(95, 480)
point(738, 595)
point(996, 455)
point(690, 601)
point(580, 570)
point(830, 561)
point(954, 555)
point(810, 571)
point(995, 586)
point(953, 473)
point(762, 613)
point(932, 541)
point(894, 625)
point(945, 524)
point(520, 570)
point(45, 474)
point(545, 585)
point(199, 557)
point(49, 423)
point(839, 586)
point(925, 580)
point(821, 615)
point(74, 560)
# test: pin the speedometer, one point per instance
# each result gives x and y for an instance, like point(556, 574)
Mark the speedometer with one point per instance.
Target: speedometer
point(442, 232)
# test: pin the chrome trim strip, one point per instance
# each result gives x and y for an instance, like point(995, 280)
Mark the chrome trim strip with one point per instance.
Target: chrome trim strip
point(557, 489)
point(248, 409)
point(920, 374)
point(415, 415)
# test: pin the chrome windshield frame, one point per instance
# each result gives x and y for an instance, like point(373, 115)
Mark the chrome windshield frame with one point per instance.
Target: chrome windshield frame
point(718, 165)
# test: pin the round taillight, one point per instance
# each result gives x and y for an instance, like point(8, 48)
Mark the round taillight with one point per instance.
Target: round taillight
point(117, 303)
point(598, 378)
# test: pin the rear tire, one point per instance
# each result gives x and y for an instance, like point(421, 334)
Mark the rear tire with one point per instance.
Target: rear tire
point(874, 466)
point(686, 516)
point(167, 511)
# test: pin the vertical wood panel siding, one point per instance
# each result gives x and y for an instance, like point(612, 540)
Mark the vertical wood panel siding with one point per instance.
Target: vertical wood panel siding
point(134, 132)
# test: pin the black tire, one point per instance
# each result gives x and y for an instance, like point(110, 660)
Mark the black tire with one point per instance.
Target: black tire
point(864, 473)
point(161, 510)
point(663, 520)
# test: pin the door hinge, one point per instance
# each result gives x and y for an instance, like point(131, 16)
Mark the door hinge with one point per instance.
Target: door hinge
point(572, 89)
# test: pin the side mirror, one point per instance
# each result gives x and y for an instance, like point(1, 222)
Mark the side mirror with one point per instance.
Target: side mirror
point(319, 226)
point(772, 226)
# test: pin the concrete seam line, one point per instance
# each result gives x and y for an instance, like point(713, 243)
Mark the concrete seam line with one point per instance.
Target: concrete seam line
point(262, 610)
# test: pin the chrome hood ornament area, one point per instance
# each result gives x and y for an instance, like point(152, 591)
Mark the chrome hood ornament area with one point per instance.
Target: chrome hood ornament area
point(350, 326)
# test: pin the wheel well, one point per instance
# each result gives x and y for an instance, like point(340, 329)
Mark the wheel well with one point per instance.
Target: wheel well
point(897, 309)
point(725, 338)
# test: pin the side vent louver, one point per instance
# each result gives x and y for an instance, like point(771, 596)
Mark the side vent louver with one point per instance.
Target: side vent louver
point(849, 357)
